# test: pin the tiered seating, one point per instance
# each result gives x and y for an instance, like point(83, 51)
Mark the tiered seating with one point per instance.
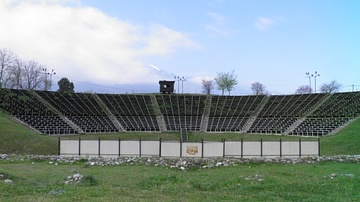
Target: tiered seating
point(335, 112)
point(82, 109)
point(281, 111)
point(271, 125)
point(226, 113)
point(340, 105)
point(230, 113)
point(134, 112)
point(182, 111)
point(319, 126)
point(27, 108)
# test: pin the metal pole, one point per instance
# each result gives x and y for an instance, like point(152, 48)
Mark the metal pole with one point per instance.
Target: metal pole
point(261, 147)
point(160, 147)
point(315, 75)
point(99, 147)
point(309, 76)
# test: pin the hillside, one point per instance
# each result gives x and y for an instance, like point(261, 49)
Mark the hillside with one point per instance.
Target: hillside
point(347, 141)
point(16, 138)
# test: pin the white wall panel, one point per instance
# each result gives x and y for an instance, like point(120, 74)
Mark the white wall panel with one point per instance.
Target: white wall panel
point(109, 148)
point(271, 148)
point(69, 147)
point(170, 149)
point(129, 148)
point(150, 148)
point(89, 147)
point(251, 149)
point(309, 148)
point(233, 149)
point(290, 148)
point(213, 149)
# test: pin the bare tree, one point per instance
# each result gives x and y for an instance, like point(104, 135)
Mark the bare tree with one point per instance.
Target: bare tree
point(207, 86)
point(7, 59)
point(226, 81)
point(26, 75)
point(14, 75)
point(331, 87)
point(303, 90)
point(32, 76)
point(258, 88)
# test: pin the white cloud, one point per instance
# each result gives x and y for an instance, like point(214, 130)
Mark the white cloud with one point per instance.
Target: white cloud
point(217, 18)
point(83, 43)
point(218, 25)
point(263, 23)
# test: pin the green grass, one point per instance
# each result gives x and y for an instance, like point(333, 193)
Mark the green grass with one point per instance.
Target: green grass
point(347, 141)
point(18, 139)
point(45, 182)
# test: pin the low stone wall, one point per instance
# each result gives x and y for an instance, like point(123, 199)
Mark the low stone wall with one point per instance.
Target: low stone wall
point(204, 149)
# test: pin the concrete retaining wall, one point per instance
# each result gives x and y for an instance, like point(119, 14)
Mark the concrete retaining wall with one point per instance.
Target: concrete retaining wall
point(204, 149)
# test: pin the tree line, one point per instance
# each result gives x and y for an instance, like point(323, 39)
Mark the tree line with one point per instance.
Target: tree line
point(226, 81)
point(17, 73)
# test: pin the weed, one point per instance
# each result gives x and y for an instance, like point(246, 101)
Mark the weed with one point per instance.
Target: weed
point(89, 180)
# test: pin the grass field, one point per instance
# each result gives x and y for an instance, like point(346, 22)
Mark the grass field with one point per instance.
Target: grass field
point(42, 181)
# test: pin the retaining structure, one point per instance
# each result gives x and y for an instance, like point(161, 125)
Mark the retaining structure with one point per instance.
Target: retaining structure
point(203, 149)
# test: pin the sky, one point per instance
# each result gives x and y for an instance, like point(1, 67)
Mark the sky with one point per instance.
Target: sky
point(121, 46)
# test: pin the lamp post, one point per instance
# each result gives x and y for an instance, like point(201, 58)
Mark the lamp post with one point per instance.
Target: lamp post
point(51, 74)
point(315, 75)
point(182, 79)
point(45, 81)
point(309, 76)
point(48, 83)
point(177, 79)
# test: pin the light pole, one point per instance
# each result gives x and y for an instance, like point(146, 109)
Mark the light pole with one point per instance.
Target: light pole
point(46, 78)
point(48, 83)
point(177, 79)
point(309, 76)
point(51, 74)
point(315, 75)
point(182, 79)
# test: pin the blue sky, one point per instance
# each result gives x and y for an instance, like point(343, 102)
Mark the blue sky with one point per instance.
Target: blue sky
point(111, 43)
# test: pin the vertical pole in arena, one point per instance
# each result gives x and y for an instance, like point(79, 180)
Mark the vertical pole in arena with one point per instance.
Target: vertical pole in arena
point(223, 147)
point(299, 147)
point(119, 147)
point(160, 147)
point(139, 146)
point(79, 146)
point(202, 148)
point(242, 147)
point(261, 147)
point(280, 147)
point(319, 146)
point(99, 149)
point(59, 142)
